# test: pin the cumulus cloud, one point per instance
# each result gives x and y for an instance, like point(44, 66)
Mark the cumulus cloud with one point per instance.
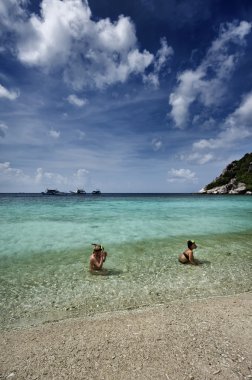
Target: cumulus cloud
point(6, 168)
point(9, 173)
point(11, 13)
point(200, 158)
point(76, 101)
point(181, 175)
point(50, 178)
point(3, 129)
point(184, 95)
point(90, 53)
point(47, 40)
point(8, 94)
point(208, 82)
point(81, 173)
point(54, 134)
point(236, 127)
point(40, 177)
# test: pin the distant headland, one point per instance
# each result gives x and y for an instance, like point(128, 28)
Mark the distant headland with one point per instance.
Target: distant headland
point(236, 178)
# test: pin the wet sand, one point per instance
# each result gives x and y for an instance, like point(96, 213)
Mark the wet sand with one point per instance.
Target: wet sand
point(195, 340)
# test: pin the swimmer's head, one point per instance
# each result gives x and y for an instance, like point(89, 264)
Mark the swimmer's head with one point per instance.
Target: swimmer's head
point(98, 247)
point(191, 244)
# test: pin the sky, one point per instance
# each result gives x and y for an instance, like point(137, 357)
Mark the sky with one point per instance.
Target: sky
point(123, 96)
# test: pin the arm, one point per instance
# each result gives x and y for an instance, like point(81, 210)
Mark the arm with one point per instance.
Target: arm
point(104, 255)
point(191, 258)
point(96, 264)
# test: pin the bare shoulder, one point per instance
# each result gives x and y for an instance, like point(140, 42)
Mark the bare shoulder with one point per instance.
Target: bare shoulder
point(188, 251)
point(92, 258)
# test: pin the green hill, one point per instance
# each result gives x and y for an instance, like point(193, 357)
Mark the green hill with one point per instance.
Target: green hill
point(238, 172)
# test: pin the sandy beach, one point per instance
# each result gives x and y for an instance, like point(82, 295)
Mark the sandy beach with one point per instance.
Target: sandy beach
point(192, 339)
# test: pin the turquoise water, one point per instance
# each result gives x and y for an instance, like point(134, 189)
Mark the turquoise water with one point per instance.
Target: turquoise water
point(46, 244)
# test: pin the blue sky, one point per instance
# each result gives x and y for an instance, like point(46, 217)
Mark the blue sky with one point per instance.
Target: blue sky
point(136, 96)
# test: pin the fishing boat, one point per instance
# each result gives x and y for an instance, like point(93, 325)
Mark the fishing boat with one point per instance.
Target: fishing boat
point(78, 192)
point(53, 192)
point(96, 192)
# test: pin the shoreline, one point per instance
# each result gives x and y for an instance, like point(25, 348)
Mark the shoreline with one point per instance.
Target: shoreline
point(195, 339)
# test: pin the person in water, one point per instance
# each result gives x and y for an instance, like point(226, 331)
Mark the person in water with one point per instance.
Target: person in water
point(97, 258)
point(187, 256)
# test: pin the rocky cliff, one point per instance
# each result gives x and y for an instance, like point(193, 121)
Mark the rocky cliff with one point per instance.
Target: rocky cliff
point(236, 178)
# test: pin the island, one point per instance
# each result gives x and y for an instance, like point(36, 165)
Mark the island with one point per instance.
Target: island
point(236, 178)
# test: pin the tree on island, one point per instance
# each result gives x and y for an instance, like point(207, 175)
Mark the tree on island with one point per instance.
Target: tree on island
point(236, 178)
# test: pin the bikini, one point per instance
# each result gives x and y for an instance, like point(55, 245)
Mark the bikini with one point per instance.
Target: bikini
point(186, 256)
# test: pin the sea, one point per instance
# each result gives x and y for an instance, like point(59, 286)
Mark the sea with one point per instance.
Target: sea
point(46, 245)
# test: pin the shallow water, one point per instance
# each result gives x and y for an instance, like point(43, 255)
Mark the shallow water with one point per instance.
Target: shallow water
point(45, 249)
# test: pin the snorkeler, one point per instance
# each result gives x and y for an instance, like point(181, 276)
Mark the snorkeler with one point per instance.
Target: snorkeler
point(97, 258)
point(187, 256)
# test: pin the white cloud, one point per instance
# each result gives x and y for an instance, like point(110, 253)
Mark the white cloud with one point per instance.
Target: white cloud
point(162, 57)
point(119, 36)
point(81, 173)
point(230, 32)
point(47, 40)
point(200, 158)
point(8, 94)
point(208, 82)
point(5, 167)
point(54, 134)
point(11, 11)
point(41, 178)
point(156, 144)
point(206, 124)
point(7, 172)
point(3, 129)
point(181, 175)
point(244, 111)
point(184, 95)
point(52, 179)
point(39, 175)
point(236, 127)
point(90, 53)
point(49, 178)
point(137, 62)
point(151, 79)
point(224, 139)
point(163, 54)
point(76, 101)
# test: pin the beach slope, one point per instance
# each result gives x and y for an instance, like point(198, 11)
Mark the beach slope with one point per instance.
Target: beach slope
point(191, 339)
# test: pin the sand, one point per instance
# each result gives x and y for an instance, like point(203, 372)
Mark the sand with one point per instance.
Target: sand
point(197, 339)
